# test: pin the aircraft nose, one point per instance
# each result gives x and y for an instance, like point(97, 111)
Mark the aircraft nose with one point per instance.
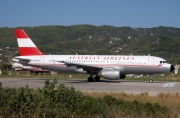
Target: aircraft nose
point(172, 68)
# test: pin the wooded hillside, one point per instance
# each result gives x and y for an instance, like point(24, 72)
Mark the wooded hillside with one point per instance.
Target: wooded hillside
point(88, 39)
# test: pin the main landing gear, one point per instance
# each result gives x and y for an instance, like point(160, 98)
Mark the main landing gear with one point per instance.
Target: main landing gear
point(91, 79)
point(150, 79)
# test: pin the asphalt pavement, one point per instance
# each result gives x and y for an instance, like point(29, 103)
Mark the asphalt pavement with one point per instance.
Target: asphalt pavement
point(126, 86)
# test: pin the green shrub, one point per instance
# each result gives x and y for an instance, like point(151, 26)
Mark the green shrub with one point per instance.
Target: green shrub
point(62, 101)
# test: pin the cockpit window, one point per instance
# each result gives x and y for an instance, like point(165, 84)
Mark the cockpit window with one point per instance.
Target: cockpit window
point(162, 62)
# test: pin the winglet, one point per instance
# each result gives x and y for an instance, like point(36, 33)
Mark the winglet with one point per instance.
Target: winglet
point(26, 46)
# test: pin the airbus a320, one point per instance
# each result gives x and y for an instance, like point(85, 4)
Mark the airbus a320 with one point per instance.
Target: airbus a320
point(112, 67)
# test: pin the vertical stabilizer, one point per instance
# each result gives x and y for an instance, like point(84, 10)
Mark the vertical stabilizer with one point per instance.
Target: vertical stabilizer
point(26, 46)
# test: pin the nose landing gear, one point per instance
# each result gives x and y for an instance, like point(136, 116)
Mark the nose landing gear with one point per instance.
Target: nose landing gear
point(150, 78)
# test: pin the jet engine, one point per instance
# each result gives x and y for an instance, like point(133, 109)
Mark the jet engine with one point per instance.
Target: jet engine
point(80, 70)
point(112, 74)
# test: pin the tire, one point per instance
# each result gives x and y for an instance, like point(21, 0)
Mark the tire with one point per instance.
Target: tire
point(90, 79)
point(97, 78)
point(150, 81)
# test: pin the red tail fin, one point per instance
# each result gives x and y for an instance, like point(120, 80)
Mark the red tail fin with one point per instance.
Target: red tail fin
point(26, 46)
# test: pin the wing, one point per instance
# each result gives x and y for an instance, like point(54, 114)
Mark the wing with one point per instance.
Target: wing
point(90, 69)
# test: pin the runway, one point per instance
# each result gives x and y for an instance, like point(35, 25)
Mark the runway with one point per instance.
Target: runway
point(126, 86)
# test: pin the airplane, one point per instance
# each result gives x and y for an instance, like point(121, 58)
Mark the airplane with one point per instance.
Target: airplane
point(111, 67)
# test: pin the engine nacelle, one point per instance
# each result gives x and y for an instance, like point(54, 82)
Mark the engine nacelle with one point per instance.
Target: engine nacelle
point(111, 74)
point(80, 70)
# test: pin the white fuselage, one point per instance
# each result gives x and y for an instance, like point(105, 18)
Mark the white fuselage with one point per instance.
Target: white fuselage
point(127, 64)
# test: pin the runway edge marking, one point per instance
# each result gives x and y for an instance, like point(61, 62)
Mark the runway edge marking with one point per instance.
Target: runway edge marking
point(170, 84)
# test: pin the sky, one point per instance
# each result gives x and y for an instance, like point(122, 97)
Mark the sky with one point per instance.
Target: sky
point(118, 13)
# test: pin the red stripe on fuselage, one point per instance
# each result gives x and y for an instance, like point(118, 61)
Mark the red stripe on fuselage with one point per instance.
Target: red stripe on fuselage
point(97, 65)
point(27, 51)
point(21, 34)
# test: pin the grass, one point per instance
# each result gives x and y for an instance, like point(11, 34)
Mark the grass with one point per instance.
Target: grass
point(19, 74)
point(168, 77)
point(171, 101)
point(70, 103)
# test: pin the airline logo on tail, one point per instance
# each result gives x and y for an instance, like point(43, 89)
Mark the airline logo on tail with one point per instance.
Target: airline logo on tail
point(26, 46)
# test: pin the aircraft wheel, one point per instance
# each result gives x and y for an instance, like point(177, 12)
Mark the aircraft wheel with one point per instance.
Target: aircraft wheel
point(150, 80)
point(90, 79)
point(97, 78)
